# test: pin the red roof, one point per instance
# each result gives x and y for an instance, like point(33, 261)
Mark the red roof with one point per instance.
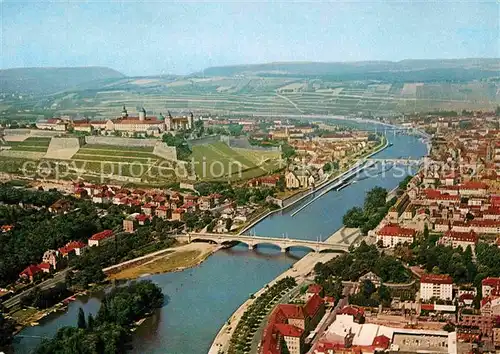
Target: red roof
point(44, 265)
point(312, 305)
point(381, 342)
point(315, 289)
point(31, 270)
point(427, 307)
point(462, 236)
point(436, 279)
point(396, 230)
point(466, 296)
point(292, 311)
point(102, 235)
point(474, 185)
point(71, 246)
point(351, 310)
point(162, 208)
point(141, 217)
point(288, 330)
point(492, 282)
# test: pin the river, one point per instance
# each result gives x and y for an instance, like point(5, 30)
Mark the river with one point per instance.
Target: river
point(201, 299)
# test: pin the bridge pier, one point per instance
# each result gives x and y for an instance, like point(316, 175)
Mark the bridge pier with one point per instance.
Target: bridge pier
point(283, 249)
point(251, 247)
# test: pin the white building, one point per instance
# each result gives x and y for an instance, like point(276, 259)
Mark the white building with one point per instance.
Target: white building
point(392, 234)
point(438, 286)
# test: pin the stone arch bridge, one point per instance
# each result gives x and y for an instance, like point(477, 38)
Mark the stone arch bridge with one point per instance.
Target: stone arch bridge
point(252, 241)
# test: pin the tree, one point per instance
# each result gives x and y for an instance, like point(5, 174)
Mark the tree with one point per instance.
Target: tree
point(354, 217)
point(368, 288)
point(7, 329)
point(327, 167)
point(81, 323)
point(338, 289)
point(384, 294)
point(90, 322)
point(426, 231)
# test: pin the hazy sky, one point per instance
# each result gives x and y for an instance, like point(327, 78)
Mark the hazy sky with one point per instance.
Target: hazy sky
point(153, 37)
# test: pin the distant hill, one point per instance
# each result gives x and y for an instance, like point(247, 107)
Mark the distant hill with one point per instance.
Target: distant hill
point(51, 80)
point(405, 70)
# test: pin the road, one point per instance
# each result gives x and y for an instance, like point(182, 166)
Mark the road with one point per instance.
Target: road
point(59, 277)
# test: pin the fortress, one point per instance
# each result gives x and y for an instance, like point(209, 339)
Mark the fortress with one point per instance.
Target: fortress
point(126, 125)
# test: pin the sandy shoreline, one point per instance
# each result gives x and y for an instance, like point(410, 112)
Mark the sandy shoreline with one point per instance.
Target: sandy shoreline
point(173, 259)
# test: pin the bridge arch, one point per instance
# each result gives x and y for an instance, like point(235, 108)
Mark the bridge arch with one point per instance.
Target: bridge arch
point(203, 239)
point(299, 247)
point(235, 242)
point(272, 244)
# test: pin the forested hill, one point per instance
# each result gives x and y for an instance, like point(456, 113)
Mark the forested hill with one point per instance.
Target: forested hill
point(405, 70)
point(50, 80)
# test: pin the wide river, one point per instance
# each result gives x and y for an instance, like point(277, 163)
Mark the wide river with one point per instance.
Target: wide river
point(201, 299)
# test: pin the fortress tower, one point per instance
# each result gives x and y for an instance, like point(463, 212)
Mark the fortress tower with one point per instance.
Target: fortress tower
point(142, 114)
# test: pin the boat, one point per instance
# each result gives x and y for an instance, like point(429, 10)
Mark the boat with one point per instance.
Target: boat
point(345, 185)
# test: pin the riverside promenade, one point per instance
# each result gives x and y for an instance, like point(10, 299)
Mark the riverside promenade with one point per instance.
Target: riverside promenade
point(300, 271)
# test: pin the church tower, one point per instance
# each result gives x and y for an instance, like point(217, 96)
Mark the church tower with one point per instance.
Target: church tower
point(142, 114)
point(124, 112)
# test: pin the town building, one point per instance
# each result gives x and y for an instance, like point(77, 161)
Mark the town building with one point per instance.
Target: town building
point(289, 323)
point(392, 234)
point(73, 247)
point(436, 286)
point(459, 239)
point(101, 238)
point(490, 286)
point(31, 273)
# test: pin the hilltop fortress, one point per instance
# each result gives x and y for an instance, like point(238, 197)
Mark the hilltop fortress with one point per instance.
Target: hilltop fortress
point(124, 125)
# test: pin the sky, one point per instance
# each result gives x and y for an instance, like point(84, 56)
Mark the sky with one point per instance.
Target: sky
point(167, 37)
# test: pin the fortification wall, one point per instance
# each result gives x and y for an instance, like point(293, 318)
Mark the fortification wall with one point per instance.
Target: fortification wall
point(104, 140)
point(243, 143)
point(64, 148)
point(204, 140)
point(46, 133)
point(19, 131)
point(165, 152)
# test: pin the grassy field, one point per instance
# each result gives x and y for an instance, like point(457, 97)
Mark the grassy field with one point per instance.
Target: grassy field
point(219, 161)
point(163, 264)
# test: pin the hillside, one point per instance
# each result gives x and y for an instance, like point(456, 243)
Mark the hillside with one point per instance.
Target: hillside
point(405, 70)
point(50, 80)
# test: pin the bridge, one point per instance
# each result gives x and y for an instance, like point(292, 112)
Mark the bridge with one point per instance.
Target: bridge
point(400, 161)
point(253, 241)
